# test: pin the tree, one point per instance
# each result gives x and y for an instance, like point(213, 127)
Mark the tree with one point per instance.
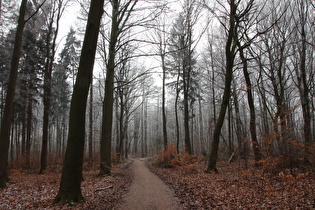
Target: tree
point(274, 67)
point(60, 87)
point(183, 60)
point(55, 15)
point(251, 105)
point(33, 57)
point(69, 58)
point(303, 76)
point(6, 119)
point(120, 16)
point(160, 38)
point(247, 40)
point(123, 90)
point(230, 53)
point(70, 184)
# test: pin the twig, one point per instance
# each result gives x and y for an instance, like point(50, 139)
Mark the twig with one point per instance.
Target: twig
point(105, 188)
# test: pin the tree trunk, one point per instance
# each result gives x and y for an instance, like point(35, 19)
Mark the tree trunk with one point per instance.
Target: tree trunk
point(240, 133)
point(230, 55)
point(230, 129)
point(163, 102)
point(176, 114)
point(201, 136)
point(107, 121)
point(7, 114)
point(70, 184)
point(145, 128)
point(23, 145)
point(50, 56)
point(117, 122)
point(303, 84)
point(136, 127)
point(91, 124)
point(121, 123)
point(126, 127)
point(186, 123)
point(29, 129)
point(251, 105)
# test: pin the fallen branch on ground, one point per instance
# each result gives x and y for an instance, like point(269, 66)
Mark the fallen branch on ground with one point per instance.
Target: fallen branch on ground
point(105, 188)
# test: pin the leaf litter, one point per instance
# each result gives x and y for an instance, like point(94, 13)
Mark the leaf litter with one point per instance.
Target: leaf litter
point(29, 190)
point(233, 188)
point(237, 188)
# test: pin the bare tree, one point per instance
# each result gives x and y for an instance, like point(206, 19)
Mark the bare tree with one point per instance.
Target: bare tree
point(122, 21)
point(120, 16)
point(236, 11)
point(54, 17)
point(162, 47)
point(275, 44)
point(300, 61)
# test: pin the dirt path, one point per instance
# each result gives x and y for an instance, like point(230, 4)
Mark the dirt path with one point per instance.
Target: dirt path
point(148, 191)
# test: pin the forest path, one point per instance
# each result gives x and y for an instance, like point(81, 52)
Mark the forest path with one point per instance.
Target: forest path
point(148, 191)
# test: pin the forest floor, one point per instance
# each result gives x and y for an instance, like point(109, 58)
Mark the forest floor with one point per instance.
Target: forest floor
point(188, 187)
point(29, 190)
point(238, 188)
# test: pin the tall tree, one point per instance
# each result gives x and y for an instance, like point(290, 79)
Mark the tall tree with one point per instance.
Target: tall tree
point(160, 38)
point(230, 53)
point(277, 49)
point(246, 41)
point(55, 15)
point(303, 76)
point(250, 98)
point(183, 60)
point(60, 87)
point(120, 17)
point(29, 82)
point(6, 119)
point(70, 184)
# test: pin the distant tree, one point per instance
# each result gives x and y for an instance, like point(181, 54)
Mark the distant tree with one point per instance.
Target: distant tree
point(302, 65)
point(275, 45)
point(124, 98)
point(69, 58)
point(60, 87)
point(60, 94)
point(181, 47)
point(55, 13)
point(160, 37)
point(70, 184)
point(33, 57)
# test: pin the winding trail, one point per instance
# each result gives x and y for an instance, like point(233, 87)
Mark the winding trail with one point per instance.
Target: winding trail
point(148, 191)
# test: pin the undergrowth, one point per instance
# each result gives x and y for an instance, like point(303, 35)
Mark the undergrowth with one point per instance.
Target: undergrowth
point(170, 158)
